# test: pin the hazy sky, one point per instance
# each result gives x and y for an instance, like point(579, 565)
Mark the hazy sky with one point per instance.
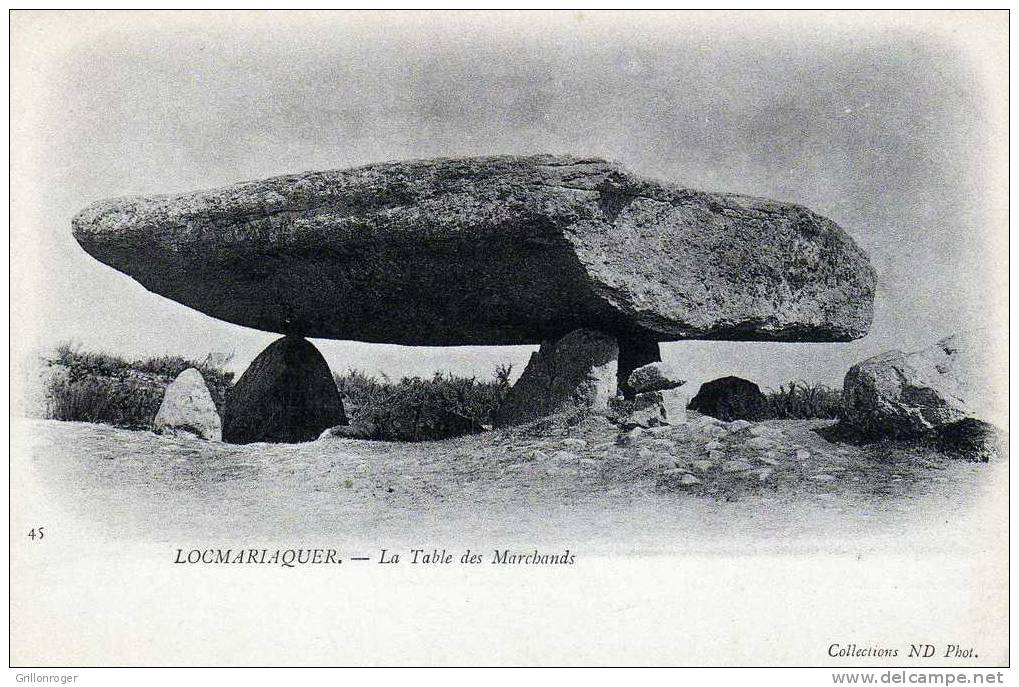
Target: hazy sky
point(892, 125)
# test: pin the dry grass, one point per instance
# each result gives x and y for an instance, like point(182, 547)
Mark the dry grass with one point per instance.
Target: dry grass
point(417, 409)
point(100, 387)
point(803, 401)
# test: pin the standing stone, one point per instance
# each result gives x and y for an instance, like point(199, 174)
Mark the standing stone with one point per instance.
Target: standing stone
point(730, 398)
point(577, 371)
point(187, 405)
point(286, 395)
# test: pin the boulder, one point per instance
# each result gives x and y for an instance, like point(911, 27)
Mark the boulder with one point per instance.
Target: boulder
point(287, 394)
point(650, 409)
point(730, 398)
point(490, 251)
point(898, 394)
point(187, 406)
point(654, 377)
point(577, 371)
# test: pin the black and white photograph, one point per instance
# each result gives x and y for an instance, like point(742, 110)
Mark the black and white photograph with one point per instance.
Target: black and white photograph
point(509, 338)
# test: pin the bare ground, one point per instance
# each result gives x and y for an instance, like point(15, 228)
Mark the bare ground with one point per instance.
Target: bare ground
point(705, 485)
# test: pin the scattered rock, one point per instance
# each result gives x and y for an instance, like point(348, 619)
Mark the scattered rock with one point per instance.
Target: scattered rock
point(663, 445)
point(822, 478)
point(737, 466)
point(759, 443)
point(574, 443)
point(629, 438)
point(713, 445)
point(663, 429)
point(730, 398)
point(654, 377)
point(359, 431)
point(802, 454)
point(187, 406)
point(577, 371)
point(650, 409)
point(762, 431)
point(703, 465)
point(716, 455)
point(287, 394)
point(764, 473)
point(565, 457)
point(688, 480)
point(711, 430)
point(768, 458)
point(737, 425)
point(664, 459)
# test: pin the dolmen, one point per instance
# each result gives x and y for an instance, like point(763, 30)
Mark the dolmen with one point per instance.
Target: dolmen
point(492, 251)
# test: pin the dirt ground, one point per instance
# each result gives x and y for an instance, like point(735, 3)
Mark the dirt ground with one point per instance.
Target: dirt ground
point(706, 485)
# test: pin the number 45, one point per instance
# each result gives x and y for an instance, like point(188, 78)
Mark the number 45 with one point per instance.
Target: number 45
point(35, 533)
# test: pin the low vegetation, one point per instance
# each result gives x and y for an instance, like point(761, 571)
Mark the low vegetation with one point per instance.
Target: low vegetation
point(803, 401)
point(99, 387)
point(418, 409)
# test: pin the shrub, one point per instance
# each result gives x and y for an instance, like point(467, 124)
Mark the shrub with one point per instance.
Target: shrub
point(417, 409)
point(102, 399)
point(803, 401)
point(99, 387)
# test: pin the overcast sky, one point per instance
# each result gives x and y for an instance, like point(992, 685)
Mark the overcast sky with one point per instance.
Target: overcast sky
point(892, 125)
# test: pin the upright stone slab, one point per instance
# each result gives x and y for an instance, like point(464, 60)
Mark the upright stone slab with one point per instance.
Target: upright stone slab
point(188, 406)
point(577, 371)
point(287, 394)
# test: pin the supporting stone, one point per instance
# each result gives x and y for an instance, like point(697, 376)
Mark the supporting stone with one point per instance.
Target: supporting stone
point(287, 394)
point(577, 371)
point(634, 352)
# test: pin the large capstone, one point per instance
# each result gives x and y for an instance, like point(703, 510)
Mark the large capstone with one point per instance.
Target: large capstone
point(577, 372)
point(492, 250)
point(287, 394)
